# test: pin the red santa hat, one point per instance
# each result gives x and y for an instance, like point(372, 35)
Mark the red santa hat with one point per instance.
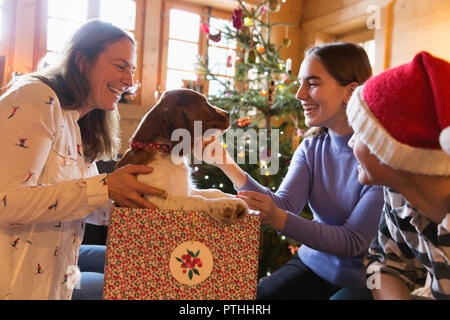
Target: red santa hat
point(403, 115)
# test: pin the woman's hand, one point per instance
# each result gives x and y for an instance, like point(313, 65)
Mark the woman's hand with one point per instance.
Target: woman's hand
point(126, 191)
point(271, 215)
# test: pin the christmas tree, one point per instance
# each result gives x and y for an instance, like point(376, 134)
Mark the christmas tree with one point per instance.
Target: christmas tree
point(261, 99)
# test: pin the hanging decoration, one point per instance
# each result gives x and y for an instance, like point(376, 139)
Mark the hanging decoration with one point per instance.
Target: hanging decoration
point(248, 22)
point(263, 9)
point(288, 65)
point(260, 48)
point(251, 57)
point(242, 122)
point(284, 77)
point(237, 19)
point(271, 93)
point(229, 61)
point(213, 37)
point(286, 40)
point(274, 5)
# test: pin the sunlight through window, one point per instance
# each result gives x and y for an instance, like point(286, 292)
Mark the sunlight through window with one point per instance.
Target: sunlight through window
point(221, 57)
point(182, 48)
point(120, 12)
point(64, 17)
point(1, 20)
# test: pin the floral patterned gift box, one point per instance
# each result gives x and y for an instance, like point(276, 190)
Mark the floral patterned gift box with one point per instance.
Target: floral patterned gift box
point(165, 254)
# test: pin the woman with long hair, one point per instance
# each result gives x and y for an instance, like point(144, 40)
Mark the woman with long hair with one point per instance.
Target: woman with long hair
point(54, 124)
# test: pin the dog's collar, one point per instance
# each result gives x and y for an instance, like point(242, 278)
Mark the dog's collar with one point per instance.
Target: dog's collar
point(137, 145)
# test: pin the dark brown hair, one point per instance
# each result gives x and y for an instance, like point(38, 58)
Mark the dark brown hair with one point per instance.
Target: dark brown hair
point(346, 62)
point(99, 128)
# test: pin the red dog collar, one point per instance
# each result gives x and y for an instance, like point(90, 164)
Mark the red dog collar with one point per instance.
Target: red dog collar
point(136, 145)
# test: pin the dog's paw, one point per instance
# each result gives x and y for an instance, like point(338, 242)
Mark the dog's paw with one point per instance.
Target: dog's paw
point(229, 211)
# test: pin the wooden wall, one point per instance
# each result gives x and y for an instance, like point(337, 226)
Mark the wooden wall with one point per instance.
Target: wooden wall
point(407, 26)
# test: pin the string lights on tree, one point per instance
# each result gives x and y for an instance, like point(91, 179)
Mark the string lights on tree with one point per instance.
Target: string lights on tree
point(261, 96)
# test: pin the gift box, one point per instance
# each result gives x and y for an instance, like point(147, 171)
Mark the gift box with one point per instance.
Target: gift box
point(166, 254)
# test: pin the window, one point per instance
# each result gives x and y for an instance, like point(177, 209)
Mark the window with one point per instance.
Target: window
point(221, 56)
point(369, 46)
point(7, 21)
point(62, 18)
point(362, 36)
point(2, 36)
point(1, 20)
point(183, 48)
point(184, 43)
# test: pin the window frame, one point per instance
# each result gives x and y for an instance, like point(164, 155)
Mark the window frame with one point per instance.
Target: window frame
point(40, 37)
point(7, 41)
point(204, 12)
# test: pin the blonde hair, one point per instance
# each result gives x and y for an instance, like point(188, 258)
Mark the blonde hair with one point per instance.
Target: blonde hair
point(99, 129)
point(346, 62)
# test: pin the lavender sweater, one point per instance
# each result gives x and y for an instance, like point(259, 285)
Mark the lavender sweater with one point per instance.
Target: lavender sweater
point(323, 171)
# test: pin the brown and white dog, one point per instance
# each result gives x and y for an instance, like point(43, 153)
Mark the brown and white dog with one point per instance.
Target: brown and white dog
point(151, 144)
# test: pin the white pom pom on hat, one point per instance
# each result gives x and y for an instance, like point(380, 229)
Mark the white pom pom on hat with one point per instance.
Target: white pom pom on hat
point(444, 139)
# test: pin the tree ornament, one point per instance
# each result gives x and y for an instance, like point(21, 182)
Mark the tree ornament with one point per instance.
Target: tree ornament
point(288, 65)
point(274, 5)
point(263, 9)
point(213, 37)
point(260, 48)
point(248, 22)
point(229, 61)
point(237, 19)
point(242, 122)
point(286, 40)
point(284, 77)
point(271, 93)
point(251, 57)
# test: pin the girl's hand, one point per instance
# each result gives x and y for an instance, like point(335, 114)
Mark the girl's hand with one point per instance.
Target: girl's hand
point(212, 152)
point(271, 215)
point(126, 191)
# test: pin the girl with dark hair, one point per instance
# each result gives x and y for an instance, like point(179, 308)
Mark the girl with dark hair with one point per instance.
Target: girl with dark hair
point(323, 173)
point(53, 124)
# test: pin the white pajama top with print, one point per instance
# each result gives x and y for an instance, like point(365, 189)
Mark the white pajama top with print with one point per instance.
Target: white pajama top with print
point(47, 191)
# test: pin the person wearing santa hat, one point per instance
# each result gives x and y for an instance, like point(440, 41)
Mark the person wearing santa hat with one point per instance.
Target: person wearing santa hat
point(401, 123)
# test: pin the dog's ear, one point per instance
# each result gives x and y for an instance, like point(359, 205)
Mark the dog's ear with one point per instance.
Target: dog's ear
point(152, 126)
